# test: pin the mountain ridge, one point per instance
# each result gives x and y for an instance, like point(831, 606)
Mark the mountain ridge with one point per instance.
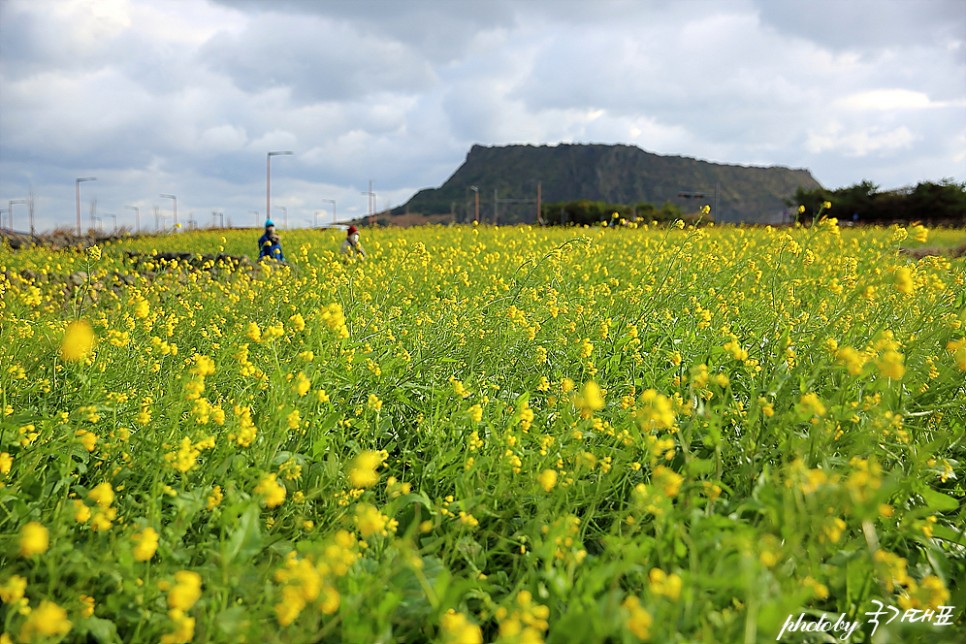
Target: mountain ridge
point(507, 179)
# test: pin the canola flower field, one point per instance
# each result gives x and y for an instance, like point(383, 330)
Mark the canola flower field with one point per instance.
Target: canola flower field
point(620, 433)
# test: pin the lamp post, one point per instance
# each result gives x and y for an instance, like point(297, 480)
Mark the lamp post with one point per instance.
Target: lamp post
point(372, 201)
point(284, 217)
point(137, 218)
point(255, 212)
point(10, 205)
point(114, 218)
point(77, 183)
point(175, 207)
point(476, 206)
point(268, 180)
point(331, 201)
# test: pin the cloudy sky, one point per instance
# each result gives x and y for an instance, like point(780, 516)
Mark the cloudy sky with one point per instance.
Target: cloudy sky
point(187, 97)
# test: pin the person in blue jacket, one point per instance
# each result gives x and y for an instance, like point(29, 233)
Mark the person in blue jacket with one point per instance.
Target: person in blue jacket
point(268, 244)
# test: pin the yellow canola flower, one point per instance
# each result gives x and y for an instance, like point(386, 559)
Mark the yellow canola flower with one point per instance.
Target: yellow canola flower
point(48, 620)
point(34, 539)
point(363, 469)
point(102, 494)
point(302, 384)
point(851, 359)
point(82, 513)
point(141, 308)
point(892, 364)
point(370, 521)
point(214, 498)
point(547, 479)
point(958, 349)
point(475, 413)
point(638, 621)
point(458, 629)
point(655, 411)
point(811, 405)
point(590, 398)
point(334, 319)
point(903, 280)
point(271, 491)
point(13, 590)
point(186, 590)
point(6, 462)
point(919, 233)
point(145, 544)
point(664, 584)
point(184, 628)
point(667, 480)
point(78, 341)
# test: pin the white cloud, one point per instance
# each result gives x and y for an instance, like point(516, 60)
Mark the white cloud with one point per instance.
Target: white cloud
point(860, 142)
point(886, 99)
point(187, 96)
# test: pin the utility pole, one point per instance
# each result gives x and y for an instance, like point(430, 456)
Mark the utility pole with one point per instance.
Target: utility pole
point(77, 183)
point(372, 197)
point(539, 216)
point(331, 201)
point(174, 199)
point(30, 209)
point(10, 206)
point(476, 203)
point(137, 218)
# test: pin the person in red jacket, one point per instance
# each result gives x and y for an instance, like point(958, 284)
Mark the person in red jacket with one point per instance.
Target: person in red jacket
point(352, 246)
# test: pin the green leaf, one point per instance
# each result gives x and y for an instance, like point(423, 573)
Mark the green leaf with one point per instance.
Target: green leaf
point(246, 540)
point(103, 630)
point(941, 531)
point(232, 620)
point(937, 501)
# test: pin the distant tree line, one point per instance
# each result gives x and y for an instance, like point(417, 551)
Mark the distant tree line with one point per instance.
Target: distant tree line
point(935, 203)
point(585, 211)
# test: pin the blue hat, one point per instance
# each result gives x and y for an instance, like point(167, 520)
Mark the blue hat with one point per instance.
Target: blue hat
point(269, 222)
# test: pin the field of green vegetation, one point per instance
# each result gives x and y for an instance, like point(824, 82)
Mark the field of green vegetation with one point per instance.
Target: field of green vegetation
point(618, 433)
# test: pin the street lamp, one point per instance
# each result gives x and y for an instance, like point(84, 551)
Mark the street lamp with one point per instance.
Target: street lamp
point(372, 201)
point(10, 205)
point(268, 180)
point(175, 200)
point(476, 198)
point(77, 183)
point(137, 218)
point(113, 217)
point(331, 201)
